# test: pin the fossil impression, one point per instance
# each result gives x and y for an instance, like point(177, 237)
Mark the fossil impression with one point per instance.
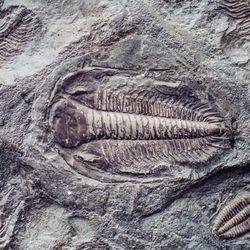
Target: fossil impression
point(7, 225)
point(239, 10)
point(17, 27)
point(234, 219)
point(129, 128)
point(4, 237)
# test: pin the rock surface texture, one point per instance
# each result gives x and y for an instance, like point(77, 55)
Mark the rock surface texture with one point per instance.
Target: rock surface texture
point(124, 124)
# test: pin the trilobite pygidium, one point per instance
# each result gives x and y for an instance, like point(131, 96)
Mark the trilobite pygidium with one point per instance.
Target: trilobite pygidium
point(126, 125)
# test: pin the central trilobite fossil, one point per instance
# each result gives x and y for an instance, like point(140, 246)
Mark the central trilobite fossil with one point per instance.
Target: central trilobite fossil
point(125, 125)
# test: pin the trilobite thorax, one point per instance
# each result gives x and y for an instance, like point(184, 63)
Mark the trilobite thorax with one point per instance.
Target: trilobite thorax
point(117, 124)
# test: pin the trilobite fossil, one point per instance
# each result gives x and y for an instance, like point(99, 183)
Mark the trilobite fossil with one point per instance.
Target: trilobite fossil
point(17, 27)
point(8, 222)
point(234, 219)
point(123, 126)
point(236, 8)
point(3, 234)
point(240, 11)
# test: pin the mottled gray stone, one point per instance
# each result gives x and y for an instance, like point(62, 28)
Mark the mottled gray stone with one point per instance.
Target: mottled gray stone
point(44, 203)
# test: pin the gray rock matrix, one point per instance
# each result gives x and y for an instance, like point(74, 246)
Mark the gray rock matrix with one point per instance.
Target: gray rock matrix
point(125, 184)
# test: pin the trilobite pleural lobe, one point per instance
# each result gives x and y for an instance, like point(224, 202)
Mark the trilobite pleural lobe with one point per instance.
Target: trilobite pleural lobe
point(128, 124)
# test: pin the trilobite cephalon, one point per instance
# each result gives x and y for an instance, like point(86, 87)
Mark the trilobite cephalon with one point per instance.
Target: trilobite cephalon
point(17, 27)
point(234, 219)
point(107, 124)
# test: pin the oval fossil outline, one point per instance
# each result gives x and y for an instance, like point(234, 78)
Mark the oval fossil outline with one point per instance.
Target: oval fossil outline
point(79, 99)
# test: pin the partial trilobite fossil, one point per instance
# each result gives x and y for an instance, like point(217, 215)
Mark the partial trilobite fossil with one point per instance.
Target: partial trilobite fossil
point(4, 237)
point(8, 223)
point(234, 219)
point(239, 10)
point(120, 125)
point(17, 27)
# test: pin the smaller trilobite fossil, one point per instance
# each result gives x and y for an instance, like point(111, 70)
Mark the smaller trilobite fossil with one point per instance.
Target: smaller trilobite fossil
point(8, 222)
point(236, 8)
point(17, 27)
point(3, 234)
point(240, 11)
point(234, 219)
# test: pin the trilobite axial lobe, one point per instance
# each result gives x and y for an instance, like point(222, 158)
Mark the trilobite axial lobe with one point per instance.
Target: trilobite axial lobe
point(234, 219)
point(128, 128)
point(80, 124)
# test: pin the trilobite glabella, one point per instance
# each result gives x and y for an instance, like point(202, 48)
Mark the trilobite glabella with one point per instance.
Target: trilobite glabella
point(234, 219)
point(126, 125)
